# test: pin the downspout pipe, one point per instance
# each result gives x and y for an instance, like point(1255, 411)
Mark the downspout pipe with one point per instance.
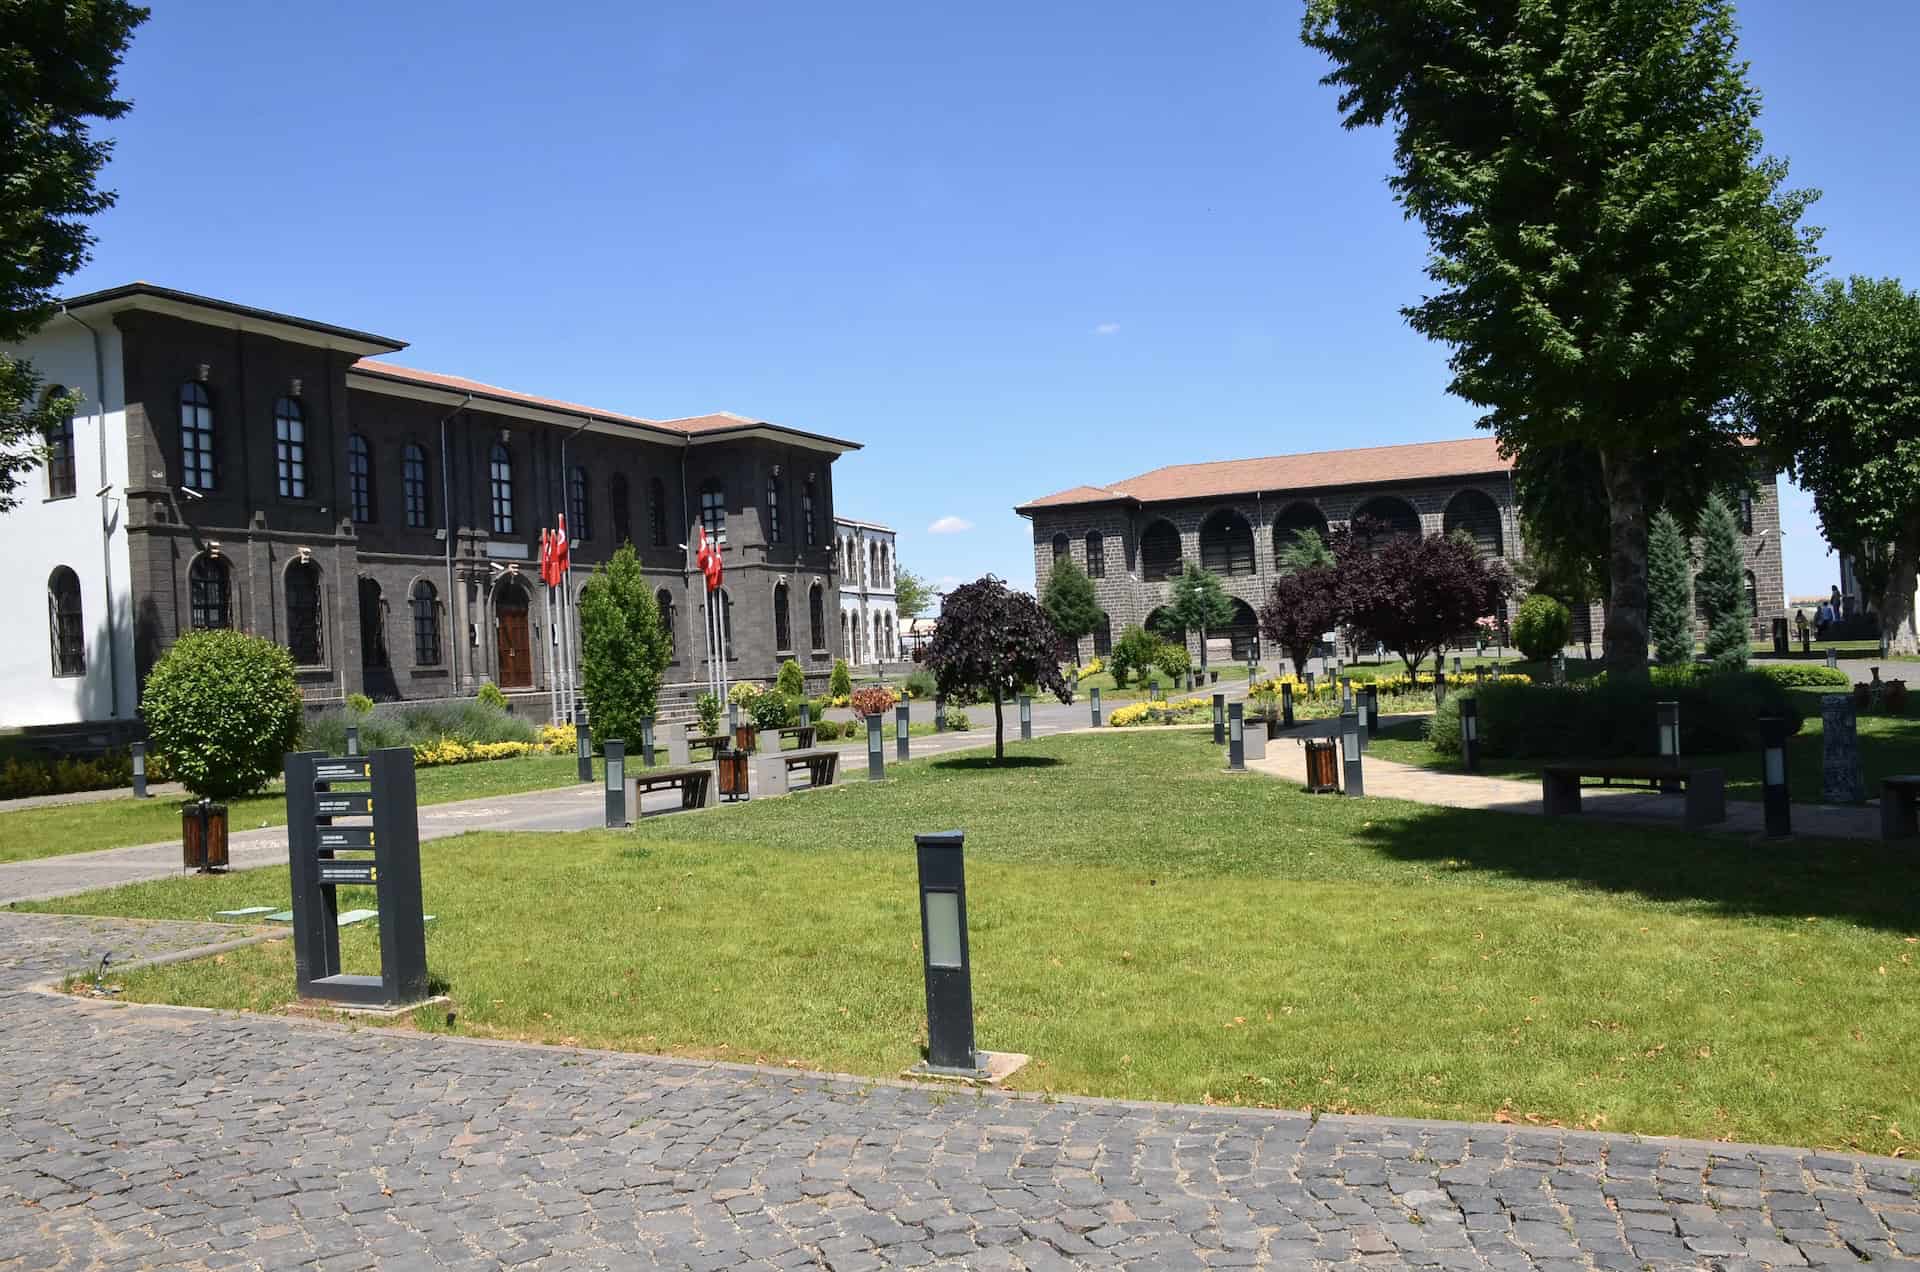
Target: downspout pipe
point(454, 638)
point(106, 506)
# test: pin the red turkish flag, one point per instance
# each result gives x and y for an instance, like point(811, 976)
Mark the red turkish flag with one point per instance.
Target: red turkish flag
point(546, 557)
point(562, 551)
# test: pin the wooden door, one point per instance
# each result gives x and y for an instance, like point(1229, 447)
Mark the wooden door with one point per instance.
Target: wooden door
point(516, 651)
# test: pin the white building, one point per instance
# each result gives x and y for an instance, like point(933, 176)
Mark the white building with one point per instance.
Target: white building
point(869, 620)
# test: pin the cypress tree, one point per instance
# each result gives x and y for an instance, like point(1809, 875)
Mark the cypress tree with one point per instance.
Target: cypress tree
point(1670, 603)
point(1723, 591)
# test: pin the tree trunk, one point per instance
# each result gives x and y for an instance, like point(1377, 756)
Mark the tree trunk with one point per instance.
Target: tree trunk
point(999, 729)
point(1896, 603)
point(1625, 636)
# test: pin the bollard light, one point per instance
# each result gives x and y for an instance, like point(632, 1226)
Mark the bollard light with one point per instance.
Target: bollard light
point(940, 715)
point(1350, 750)
point(1456, 666)
point(1310, 676)
point(1439, 688)
point(806, 714)
point(1346, 693)
point(138, 754)
point(646, 740)
point(1219, 719)
point(616, 751)
point(1026, 718)
point(1236, 737)
point(1286, 703)
point(1832, 659)
point(1667, 719)
point(1480, 674)
point(876, 756)
point(1470, 733)
point(1153, 690)
point(900, 724)
point(944, 954)
point(1559, 669)
point(1372, 697)
point(583, 751)
point(733, 717)
point(1213, 677)
point(353, 739)
point(1096, 706)
point(1773, 756)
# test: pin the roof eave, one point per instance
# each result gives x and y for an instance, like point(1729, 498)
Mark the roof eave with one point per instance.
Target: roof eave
point(212, 311)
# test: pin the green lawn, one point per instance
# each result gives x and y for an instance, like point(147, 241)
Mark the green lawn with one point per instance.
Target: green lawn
point(55, 829)
point(1148, 926)
point(1888, 745)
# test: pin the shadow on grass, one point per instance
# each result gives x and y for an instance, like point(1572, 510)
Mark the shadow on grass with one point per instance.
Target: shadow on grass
point(1861, 881)
point(987, 764)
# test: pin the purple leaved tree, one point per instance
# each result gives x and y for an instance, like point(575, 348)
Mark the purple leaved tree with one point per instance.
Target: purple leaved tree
point(1414, 594)
point(989, 641)
point(1301, 608)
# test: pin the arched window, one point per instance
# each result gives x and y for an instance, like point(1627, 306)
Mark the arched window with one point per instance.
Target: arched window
point(620, 508)
point(426, 624)
point(1096, 555)
point(713, 511)
point(1103, 637)
point(657, 511)
point(373, 625)
point(1390, 516)
point(1743, 513)
point(1242, 631)
point(413, 487)
point(303, 613)
point(196, 437)
point(873, 565)
point(500, 487)
point(773, 513)
point(1160, 551)
point(579, 507)
point(817, 616)
point(210, 596)
point(290, 447)
point(1474, 514)
point(1753, 597)
point(1226, 543)
point(1163, 624)
point(60, 478)
point(726, 623)
point(846, 637)
point(1062, 548)
point(1294, 518)
point(808, 518)
point(879, 647)
point(782, 620)
point(64, 626)
point(663, 600)
point(360, 477)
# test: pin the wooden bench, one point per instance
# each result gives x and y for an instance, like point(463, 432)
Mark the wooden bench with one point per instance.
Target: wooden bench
point(802, 735)
point(1900, 806)
point(695, 782)
point(713, 742)
point(822, 764)
point(1706, 788)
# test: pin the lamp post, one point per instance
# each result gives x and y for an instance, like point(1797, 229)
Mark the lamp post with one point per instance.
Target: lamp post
point(900, 724)
point(646, 740)
point(1350, 751)
point(1286, 703)
point(876, 755)
point(616, 751)
point(1096, 706)
point(1236, 737)
point(944, 954)
point(1219, 719)
point(1773, 756)
point(583, 751)
point(138, 754)
point(1470, 733)
point(1026, 718)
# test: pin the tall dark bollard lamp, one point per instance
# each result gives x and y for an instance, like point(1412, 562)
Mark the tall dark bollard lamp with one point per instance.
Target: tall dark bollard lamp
point(943, 944)
point(1373, 708)
point(1153, 690)
point(806, 714)
point(1219, 719)
point(733, 718)
point(1833, 659)
point(583, 750)
point(646, 740)
point(1310, 676)
point(353, 739)
point(138, 754)
point(1456, 666)
point(1350, 751)
point(1773, 770)
point(1559, 669)
point(901, 721)
point(1470, 734)
point(1026, 718)
point(1096, 706)
point(1439, 688)
point(876, 752)
point(1286, 703)
point(1236, 738)
point(939, 715)
point(1666, 717)
point(616, 750)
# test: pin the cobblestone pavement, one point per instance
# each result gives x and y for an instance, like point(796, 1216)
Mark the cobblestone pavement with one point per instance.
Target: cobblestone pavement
point(38, 948)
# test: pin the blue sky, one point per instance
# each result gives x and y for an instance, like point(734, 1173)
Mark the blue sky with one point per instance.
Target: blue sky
point(1009, 247)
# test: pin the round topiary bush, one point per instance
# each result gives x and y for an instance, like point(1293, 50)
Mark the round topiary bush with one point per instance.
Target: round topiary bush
point(1542, 628)
point(223, 708)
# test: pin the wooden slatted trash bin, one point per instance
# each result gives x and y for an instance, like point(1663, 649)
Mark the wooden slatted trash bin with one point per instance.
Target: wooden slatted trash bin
point(1323, 766)
point(203, 836)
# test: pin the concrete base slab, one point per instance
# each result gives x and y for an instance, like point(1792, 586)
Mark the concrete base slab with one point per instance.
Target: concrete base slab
point(995, 1067)
point(322, 1009)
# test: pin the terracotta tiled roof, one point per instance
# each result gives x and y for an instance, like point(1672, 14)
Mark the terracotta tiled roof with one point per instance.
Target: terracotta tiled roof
point(1368, 466)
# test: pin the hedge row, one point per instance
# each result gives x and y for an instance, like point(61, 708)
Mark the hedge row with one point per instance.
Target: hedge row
point(1718, 713)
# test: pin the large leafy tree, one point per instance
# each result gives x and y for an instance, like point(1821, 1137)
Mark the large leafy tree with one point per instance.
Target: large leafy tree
point(1302, 607)
point(911, 595)
point(1199, 603)
point(1071, 604)
point(1616, 260)
point(59, 61)
point(1723, 588)
point(1844, 417)
point(623, 650)
point(1415, 595)
point(989, 641)
point(1669, 591)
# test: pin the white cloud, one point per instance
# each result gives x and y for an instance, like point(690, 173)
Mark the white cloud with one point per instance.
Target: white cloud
point(1106, 329)
point(950, 525)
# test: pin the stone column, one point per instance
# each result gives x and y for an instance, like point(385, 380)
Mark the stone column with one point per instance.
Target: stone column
point(1843, 782)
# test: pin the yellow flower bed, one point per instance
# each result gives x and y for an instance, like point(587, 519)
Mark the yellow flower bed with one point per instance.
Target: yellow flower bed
point(1156, 712)
point(1093, 668)
point(554, 740)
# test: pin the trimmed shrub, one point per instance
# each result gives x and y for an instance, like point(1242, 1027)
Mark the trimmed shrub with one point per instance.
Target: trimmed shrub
point(223, 708)
point(1718, 713)
point(707, 707)
point(1172, 659)
point(840, 683)
point(1802, 675)
point(470, 723)
point(956, 719)
point(1542, 628)
point(1132, 655)
point(359, 703)
point(792, 681)
point(825, 730)
point(771, 711)
point(491, 696)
